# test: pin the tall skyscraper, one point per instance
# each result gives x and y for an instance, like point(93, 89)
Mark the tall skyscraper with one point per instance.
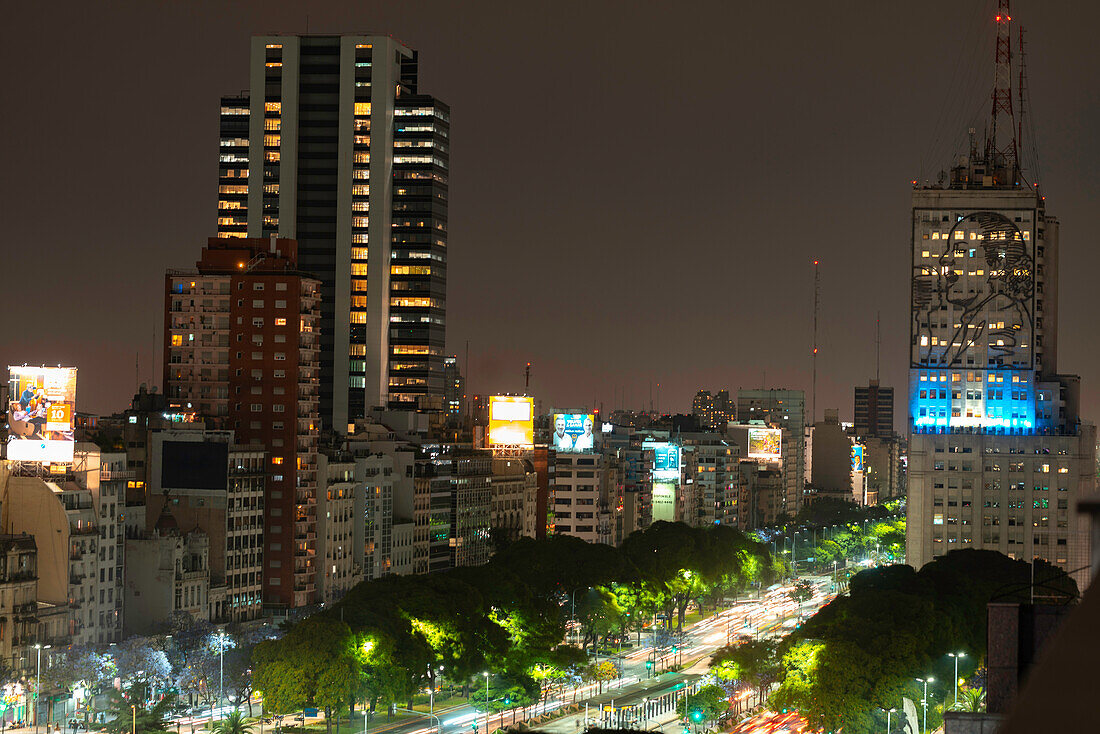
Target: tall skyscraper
point(998, 454)
point(874, 410)
point(334, 147)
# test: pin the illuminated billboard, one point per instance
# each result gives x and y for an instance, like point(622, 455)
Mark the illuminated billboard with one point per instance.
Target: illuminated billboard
point(857, 457)
point(41, 412)
point(666, 459)
point(664, 501)
point(574, 432)
point(511, 421)
point(765, 443)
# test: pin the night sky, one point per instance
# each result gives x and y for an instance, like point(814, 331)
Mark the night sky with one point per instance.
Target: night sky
point(637, 189)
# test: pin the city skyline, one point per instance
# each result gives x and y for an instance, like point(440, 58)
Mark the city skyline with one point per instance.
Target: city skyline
point(546, 184)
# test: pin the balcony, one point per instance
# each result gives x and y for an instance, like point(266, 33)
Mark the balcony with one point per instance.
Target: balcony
point(109, 475)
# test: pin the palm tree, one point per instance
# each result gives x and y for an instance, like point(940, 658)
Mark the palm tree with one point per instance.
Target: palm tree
point(233, 724)
point(971, 699)
point(128, 711)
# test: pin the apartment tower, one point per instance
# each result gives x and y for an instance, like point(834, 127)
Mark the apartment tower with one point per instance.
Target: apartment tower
point(335, 148)
point(241, 350)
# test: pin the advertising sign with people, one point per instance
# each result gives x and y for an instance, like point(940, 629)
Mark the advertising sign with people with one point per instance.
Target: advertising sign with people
point(574, 433)
point(41, 411)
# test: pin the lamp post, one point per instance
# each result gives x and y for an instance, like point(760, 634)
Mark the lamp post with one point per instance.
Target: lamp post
point(888, 712)
point(37, 683)
point(957, 655)
point(221, 666)
point(924, 701)
point(486, 674)
point(794, 554)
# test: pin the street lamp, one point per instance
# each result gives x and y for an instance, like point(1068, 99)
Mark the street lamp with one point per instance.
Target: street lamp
point(38, 681)
point(888, 712)
point(221, 666)
point(924, 701)
point(486, 674)
point(956, 655)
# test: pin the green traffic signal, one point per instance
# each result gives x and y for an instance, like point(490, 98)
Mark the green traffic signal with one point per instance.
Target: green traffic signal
point(649, 664)
point(696, 716)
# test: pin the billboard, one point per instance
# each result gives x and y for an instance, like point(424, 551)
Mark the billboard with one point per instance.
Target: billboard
point(194, 465)
point(664, 501)
point(511, 420)
point(857, 457)
point(41, 412)
point(765, 443)
point(574, 432)
point(666, 459)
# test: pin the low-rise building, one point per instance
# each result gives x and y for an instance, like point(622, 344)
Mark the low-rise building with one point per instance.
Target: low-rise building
point(167, 573)
point(18, 602)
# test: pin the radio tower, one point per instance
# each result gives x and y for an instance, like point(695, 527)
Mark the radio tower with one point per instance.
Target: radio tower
point(1001, 157)
point(813, 385)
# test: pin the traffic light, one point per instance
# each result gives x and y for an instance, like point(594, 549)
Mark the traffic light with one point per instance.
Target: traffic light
point(696, 716)
point(507, 700)
point(649, 664)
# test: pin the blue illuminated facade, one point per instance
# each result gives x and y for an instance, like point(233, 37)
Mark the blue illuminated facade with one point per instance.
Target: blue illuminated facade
point(984, 312)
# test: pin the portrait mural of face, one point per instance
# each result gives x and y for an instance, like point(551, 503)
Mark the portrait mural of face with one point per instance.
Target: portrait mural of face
point(979, 292)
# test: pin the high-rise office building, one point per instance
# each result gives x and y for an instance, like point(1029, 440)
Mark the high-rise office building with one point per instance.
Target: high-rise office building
point(335, 147)
point(241, 351)
point(874, 410)
point(998, 454)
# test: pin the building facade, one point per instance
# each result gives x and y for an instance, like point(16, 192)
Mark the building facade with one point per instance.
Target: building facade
point(998, 453)
point(874, 411)
point(335, 147)
point(225, 502)
point(713, 412)
point(242, 351)
point(784, 409)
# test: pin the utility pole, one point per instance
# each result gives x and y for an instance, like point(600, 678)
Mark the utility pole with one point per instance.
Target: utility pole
point(527, 378)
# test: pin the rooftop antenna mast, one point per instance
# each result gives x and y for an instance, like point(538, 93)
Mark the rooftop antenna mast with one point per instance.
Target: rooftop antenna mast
point(1004, 155)
point(1021, 92)
point(527, 378)
point(878, 344)
point(813, 388)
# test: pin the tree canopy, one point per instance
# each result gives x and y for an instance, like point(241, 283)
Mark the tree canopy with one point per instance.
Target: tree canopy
point(864, 650)
point(385, 638)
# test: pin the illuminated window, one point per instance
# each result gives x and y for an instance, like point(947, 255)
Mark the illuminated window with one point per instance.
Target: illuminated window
point(272, 140)
point(271, 156)
point(362, 108)
point(358, 317)
point(360, 206)
point(358, 268)
point(280, 322)
point(360, 221)
point(359, 253)
point(360, 190)
point(276, 460)
point(177, 340)
point(273, 106)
